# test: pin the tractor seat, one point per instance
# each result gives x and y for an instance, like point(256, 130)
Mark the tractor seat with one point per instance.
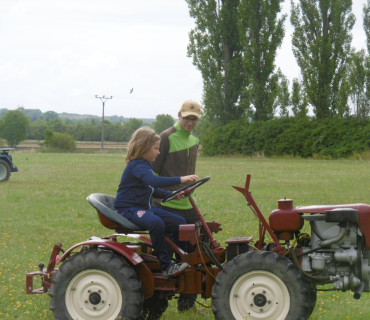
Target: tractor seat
point(109, 218)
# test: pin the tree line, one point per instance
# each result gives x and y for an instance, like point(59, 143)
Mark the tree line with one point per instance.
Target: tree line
point(234, 45)
point(16, 126)
point(70, 118)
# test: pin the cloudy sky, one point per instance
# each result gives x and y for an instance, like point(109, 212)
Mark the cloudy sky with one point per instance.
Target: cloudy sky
point(57, 55)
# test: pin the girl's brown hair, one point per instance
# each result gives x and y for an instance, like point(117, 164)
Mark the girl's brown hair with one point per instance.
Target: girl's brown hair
point(141, 142)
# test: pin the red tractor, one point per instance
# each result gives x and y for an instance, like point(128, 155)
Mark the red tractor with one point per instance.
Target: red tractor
point(276, 278)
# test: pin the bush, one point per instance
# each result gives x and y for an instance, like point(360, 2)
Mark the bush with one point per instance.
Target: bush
point(63, 141)
point(58, 141)
point(304, 137)
point(48, 135)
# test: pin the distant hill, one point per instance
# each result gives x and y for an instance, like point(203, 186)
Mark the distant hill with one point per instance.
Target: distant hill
point(34, 114)
point(113, 119)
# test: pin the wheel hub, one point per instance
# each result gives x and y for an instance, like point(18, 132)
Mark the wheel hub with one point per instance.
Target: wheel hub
point(94, 298)
point(93, 295)
point(2, 172)
point(260, 300)
point(259, 295)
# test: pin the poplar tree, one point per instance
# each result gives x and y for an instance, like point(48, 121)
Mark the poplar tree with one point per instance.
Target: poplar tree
point(322, 46)
point(357, 76)
point(366, 24)
point(216, 51)
point(366, 16)
point(283, 95)
point(299, 99)
point(262, 33)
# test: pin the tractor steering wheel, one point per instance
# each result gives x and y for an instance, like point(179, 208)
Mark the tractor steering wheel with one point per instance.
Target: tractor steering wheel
point(191, 186)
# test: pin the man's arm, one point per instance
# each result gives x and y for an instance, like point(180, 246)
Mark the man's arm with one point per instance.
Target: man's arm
point(164, 148)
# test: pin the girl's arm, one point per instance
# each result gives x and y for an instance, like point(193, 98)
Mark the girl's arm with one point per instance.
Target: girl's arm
point(145, 174)
point(160, 193)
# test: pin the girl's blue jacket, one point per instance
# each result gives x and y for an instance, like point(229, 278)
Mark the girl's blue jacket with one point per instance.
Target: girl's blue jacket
point(139, 184)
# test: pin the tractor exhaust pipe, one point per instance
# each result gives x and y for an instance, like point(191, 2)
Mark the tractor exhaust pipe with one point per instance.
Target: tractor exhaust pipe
point(359, 290)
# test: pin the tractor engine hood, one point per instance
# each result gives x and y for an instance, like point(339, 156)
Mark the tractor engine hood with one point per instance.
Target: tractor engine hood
point(278, 217)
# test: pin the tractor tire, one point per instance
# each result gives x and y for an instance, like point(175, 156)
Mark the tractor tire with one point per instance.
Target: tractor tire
point(313, 297)
point(96, 285)
point(260, 285)
point(4, 171)
point(154, 307)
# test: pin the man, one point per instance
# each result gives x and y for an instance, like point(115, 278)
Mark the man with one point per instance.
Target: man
point(178, 154)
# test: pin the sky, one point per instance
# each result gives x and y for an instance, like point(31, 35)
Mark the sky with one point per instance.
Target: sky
point(58, 55)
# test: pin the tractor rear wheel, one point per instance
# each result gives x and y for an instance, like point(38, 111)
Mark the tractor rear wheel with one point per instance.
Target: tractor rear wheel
point(96, 285)
point(260, 285)
point(4, 171)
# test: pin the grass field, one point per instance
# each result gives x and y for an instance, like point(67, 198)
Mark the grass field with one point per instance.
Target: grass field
point(44, 203)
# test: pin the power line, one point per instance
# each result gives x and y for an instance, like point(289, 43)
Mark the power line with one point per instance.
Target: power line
point(120, 97)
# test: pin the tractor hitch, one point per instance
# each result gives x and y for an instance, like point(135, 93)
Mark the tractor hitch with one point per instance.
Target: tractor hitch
point(45, 274)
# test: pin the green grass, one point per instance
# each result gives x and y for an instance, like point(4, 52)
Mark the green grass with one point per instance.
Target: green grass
point(44, 203)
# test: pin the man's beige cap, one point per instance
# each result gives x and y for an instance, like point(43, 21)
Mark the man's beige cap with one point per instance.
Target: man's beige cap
point(190, 108)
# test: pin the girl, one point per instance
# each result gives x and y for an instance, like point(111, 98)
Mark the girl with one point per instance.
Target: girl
point(134, 197)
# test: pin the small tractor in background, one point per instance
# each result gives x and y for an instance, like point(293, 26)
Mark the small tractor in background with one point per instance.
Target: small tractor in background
point(6, 164)
point(276, 277)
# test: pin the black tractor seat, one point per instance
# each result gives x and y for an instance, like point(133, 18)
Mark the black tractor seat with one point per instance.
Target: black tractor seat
point(109, 218)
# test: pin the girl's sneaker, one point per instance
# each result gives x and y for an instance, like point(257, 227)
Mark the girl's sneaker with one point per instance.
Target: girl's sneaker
point(175, 269)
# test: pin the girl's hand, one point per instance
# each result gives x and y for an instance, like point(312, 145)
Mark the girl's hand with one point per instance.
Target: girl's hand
point(180, 195)
point(190, 178)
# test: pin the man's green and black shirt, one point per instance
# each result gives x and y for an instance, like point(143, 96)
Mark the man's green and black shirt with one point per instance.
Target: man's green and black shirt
point(178, 154)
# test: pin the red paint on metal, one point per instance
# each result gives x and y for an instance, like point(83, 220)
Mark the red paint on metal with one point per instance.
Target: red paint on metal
point(214, 226)
point(29, 283)
point(239, 240)
point(285, 220)
point(363, 209)
point(187, 233)
point(120, 248)
point(45, 281)
point(53, 257)
point(285, 204)
point(147, 278)
point(213, 241)
point(263, 223)
point(286, 235)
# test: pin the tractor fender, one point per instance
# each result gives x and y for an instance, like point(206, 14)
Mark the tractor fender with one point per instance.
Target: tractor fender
point(131, 235)
point(118, 247)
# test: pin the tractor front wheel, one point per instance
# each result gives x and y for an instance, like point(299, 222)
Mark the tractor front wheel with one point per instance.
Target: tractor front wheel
point(96, 285)
point(260, 285)
point(4, 171)
point(154, 307)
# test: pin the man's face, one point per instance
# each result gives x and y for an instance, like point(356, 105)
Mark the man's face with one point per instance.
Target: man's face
point(188, 123)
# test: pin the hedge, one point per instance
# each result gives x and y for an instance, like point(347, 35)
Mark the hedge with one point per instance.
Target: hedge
point(304, 137)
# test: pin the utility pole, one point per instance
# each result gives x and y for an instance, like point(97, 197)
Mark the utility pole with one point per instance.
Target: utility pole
point(103, 99)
